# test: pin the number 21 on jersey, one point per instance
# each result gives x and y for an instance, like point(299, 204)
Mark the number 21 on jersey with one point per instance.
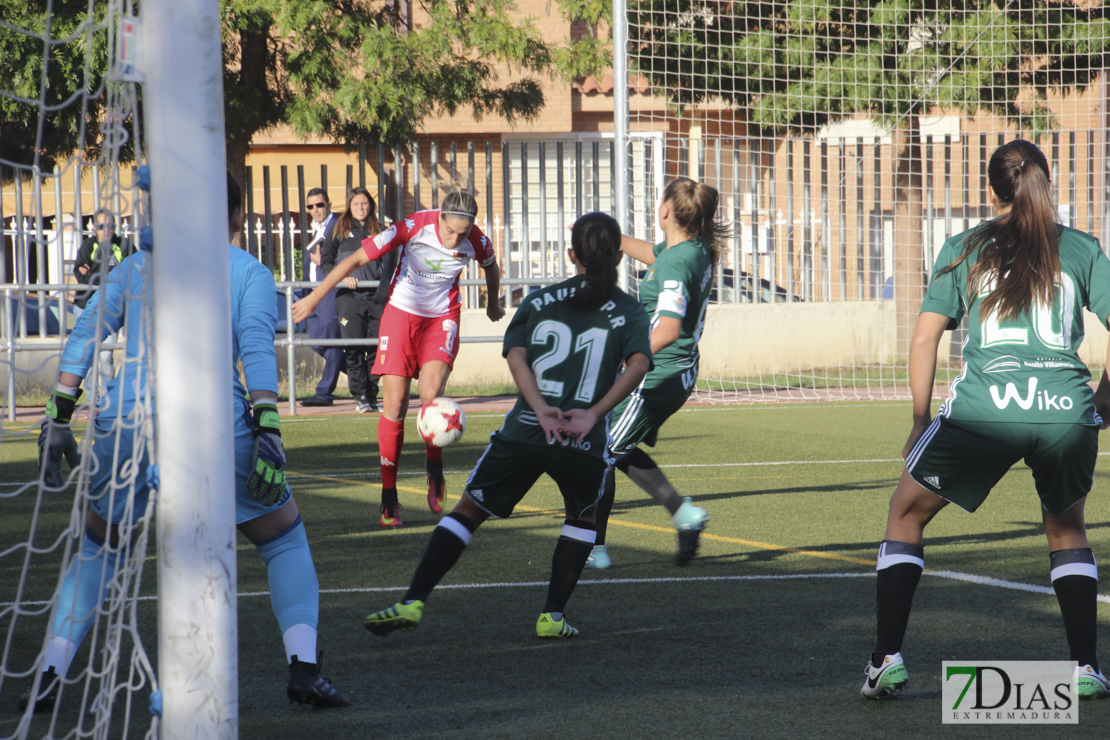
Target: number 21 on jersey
point(563, 343)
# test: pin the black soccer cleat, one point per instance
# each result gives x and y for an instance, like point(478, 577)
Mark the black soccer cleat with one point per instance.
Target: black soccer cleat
point(689, 521)
point(687, 546)
point(48, 693)
point(307, 686)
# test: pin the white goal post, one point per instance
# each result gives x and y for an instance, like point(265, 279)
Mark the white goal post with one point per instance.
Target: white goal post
point(197, 631)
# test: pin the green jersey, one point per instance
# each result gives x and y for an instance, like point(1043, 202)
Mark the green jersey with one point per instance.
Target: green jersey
point(1025, 369)
point(575, 354)
point(677, 285)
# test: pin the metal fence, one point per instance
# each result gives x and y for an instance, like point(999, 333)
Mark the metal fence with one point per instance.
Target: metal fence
point(810, 219)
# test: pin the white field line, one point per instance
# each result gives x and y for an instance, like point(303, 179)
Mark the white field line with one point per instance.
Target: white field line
point(948, 574)
point(756, 464)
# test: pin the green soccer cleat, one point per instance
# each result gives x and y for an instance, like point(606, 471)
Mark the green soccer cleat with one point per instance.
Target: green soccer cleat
point(547, 627)
point(599, 558)
point(887, 679)
point(1091, 684)
point(397, 617)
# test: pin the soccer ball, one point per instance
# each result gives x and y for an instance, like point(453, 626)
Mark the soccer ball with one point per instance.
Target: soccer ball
point(441, 422)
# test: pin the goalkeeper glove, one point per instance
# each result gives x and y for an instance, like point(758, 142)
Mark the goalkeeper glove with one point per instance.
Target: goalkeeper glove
point(56, 439)
point(267, 478)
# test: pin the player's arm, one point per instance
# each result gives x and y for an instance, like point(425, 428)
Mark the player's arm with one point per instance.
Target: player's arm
point(638, 249)
point(550, 417)
point(303, 308)
point(666, 332)
point(581, 421)
point(494, 310)
point(923, 367)
point(255, 335)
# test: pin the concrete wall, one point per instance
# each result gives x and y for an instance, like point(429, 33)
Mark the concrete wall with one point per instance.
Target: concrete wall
point(739, 341)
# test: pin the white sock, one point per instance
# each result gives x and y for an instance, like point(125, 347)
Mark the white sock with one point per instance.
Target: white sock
point(300, 640)
point(59, 654)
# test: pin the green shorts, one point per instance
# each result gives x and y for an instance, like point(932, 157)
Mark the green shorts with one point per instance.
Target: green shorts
point(962, 461)
point(507, 470)
point(638, 418)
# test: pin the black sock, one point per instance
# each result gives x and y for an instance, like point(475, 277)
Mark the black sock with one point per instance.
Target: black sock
point(643, 471)
point(434, 468)
point(605, 505)
point(900, 565)
point(1075, 581)
point(389, 497)
point(566, 564)
point(449, 539)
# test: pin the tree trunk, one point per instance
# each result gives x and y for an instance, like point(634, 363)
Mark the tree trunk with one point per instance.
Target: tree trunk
point(909, 263)
point(253, 60)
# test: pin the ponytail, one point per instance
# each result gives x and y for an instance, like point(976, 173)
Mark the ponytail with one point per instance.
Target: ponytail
point(596, 241)
point(1018, 251)
point(695, 212)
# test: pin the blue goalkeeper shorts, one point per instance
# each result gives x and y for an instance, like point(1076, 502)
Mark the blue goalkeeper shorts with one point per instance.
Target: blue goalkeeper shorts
point(119, 489)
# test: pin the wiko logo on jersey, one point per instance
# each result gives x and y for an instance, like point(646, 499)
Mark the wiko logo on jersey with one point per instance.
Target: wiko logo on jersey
point(1009, 692)
point(1045, 401)
point(1004, 364)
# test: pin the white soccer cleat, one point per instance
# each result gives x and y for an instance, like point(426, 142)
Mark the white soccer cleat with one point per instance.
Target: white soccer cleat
point(889, 678)
point(1091, 684)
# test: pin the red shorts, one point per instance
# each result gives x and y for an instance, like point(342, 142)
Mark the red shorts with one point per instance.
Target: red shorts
point(407, 341)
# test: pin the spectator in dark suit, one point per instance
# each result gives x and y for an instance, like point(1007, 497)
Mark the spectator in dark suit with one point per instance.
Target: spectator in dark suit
point(98, 254)
point(324, 322)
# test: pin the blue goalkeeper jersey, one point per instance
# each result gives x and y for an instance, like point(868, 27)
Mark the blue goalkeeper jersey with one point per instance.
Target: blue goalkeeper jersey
point(253, 324)
point(125, 301)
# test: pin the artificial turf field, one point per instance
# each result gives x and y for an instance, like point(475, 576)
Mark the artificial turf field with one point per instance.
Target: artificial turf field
point(764, 635)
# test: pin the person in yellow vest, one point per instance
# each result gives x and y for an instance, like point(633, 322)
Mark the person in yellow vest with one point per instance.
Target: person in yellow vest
point(98, 254)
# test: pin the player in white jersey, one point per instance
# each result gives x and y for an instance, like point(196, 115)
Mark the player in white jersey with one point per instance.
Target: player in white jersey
point(420, 327)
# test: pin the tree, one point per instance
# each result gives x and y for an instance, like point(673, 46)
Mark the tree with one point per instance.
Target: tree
point(349, 71)
point(793, 66)
point(75, 68)
point(373, 70)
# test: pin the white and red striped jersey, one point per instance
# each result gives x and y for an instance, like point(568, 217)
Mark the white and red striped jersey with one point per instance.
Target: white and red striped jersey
point(426, 282)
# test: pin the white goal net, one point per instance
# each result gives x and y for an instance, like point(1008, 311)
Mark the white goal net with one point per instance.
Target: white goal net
point(848, 140)
point(69, 135)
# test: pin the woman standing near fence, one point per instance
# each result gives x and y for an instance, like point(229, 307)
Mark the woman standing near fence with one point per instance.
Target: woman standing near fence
point(420, 327)
point(1023, 281)
point(674, 292)
point(359, 309)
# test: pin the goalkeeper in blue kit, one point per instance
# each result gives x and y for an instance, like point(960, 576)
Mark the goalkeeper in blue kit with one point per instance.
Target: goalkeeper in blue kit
point(265, 510)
